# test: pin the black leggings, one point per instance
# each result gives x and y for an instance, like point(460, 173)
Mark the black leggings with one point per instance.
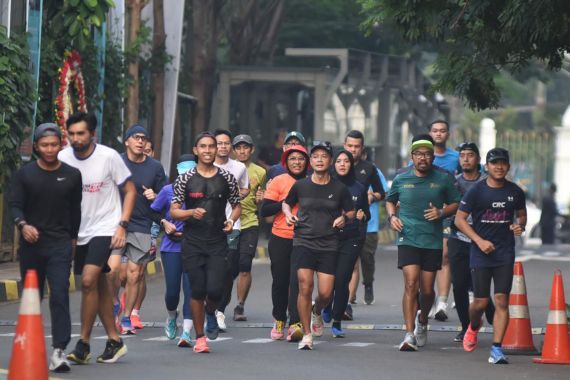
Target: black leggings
point(461, 279)
point(285, 286)
point(207, 268)
point(348, 254)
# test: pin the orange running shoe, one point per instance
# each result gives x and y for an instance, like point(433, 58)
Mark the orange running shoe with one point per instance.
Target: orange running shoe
point(470, 339)
point(201, 345)
point(136, 322)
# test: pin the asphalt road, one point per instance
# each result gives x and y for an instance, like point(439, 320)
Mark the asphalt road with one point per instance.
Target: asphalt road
point(368, 352)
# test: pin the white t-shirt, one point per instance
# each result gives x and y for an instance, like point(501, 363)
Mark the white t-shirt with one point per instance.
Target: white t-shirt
point(239, 171)
point(102, 172)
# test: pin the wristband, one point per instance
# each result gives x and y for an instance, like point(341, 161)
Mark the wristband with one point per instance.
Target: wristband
point(21, 224)
point(390, 217)
point(440, 213)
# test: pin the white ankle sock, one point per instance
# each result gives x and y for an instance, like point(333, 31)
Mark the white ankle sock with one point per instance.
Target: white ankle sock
point(187, 325)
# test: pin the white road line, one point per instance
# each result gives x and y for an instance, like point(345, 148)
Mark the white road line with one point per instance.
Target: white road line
point(221, 339)
point(258, 340)
point(157, 339)
point(357, 344)
point(542, 258)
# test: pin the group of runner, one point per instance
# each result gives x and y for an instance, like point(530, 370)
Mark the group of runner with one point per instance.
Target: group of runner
point(103, 210)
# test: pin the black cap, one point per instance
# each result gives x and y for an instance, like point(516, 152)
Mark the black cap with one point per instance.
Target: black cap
point(496, 154)
point(242, 139)
point(325, 145)
point(47, 129)
point(468, 146)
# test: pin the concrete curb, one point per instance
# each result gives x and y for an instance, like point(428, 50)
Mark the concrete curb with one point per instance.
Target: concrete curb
point(11, 290)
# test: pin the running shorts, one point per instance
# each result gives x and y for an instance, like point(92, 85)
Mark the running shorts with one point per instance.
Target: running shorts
point(429, 260)
point(319, 261)
point(502, 277)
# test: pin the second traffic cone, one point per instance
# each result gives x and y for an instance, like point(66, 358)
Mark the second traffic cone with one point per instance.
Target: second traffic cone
point(29, 349)
point(556, 349)
point(518, 337)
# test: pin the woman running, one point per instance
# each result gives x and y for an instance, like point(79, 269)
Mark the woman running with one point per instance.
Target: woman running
point(284, 288)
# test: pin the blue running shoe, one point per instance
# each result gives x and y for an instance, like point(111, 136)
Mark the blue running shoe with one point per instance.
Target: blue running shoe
point(212, 328)
point(126, 327)
point(327, 313)
point(496, 356)
point(116, 310)
point(185, 340)
point(337, 332)
point(170, 328)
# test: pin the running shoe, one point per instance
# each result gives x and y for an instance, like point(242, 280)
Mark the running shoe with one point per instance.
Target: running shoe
point(459, 337)
point(239, 314)
point(470, 339)
point(409, 343)
point(441, 311)
point(58, 362)
point(337, 332)
point(353, 301)
point(81, 354)
point(496, 356)
point(368, 294)
point(317, 325)
point(113, 351)
point(306, 343)
point(327, 313)
point(136, 322)
point(221, 318)
point(185, 339)
point(278, 330)
point(126, 326)
point(212, 327)
point(201, 345)
point(420, 332)
point(171, 328)
point(295, 332)
point(348, 314)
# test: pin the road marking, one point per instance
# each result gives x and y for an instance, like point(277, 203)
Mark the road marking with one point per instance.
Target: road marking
point(551, 253)
point(258, 340)
point(122, 337)
point(157, 339)
point(451, 348)
point(543, 258)
point(8, 334)
point(357, 344)
point(219, 339)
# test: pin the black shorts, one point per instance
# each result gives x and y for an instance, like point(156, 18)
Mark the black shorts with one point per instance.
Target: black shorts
point(319, 261)
point(502, 277)
point(96, 252)
point(207, 267)
point(429, 260)
point(247, 248)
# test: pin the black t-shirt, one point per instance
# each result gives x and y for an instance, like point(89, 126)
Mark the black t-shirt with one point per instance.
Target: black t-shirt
point(149, 174)
point(211, 194)
point(48, 200)
point(319, 206)
point(493, 211)
point(367, 175)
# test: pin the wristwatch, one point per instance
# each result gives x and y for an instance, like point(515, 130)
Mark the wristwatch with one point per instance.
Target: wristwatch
point(124, 224)
point(21, 224)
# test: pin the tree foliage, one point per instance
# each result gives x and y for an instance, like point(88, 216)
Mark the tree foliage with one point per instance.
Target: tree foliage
point(477, 38)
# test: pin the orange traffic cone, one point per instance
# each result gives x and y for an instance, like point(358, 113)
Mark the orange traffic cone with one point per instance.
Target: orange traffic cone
point(29, 350)
point(556, 349)
point(518, 338)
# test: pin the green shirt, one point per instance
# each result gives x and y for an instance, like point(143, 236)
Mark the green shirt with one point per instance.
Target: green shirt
point(257, 178)
point(415, 194)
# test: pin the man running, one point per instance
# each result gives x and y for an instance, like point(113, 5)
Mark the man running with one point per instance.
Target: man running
point(367, 174)
point(448, 159)
point(205, 190)
point(244, 148)
point(426, 195)
point(459, 244)
point(325, 204)
point(497, 207)
point(45, 203)
point(149, 178)
point(103, 228)
point(239, 171)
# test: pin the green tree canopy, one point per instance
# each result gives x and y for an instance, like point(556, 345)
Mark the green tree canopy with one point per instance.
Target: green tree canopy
point(475, 39)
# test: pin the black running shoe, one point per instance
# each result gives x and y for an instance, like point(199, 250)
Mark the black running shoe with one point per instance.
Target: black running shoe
point(113, 351)
point(459, 337)
point(348, 315)
point(81, 354)
point(368, 294)
point(239, 314)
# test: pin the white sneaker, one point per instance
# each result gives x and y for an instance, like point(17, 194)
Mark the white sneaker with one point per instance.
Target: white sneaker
point(306, 343)
point(409, 343)
point(441, 311)
point(317, 325)
point(221, 318)
point(58, 361)
point(420, 331)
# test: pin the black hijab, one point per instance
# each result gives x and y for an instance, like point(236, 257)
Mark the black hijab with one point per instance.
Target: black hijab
point(350, 177)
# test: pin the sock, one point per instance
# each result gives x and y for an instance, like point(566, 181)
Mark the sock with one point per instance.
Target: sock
point(171, 314)
point(198, 336)
point(135, 312)
point(496, 344)
point(442, 299)
point(187, 325)
point(336, 324)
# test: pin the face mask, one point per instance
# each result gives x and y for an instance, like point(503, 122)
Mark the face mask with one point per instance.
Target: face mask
point(183, 167)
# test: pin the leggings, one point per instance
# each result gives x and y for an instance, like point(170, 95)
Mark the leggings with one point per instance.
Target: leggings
point(461, 280)
point(349, 250)
point(285, 286)
point(173, 273)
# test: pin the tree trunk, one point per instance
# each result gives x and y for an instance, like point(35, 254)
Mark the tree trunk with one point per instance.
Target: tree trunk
point(135, 7)
point(205, 37)
point(158, 52)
